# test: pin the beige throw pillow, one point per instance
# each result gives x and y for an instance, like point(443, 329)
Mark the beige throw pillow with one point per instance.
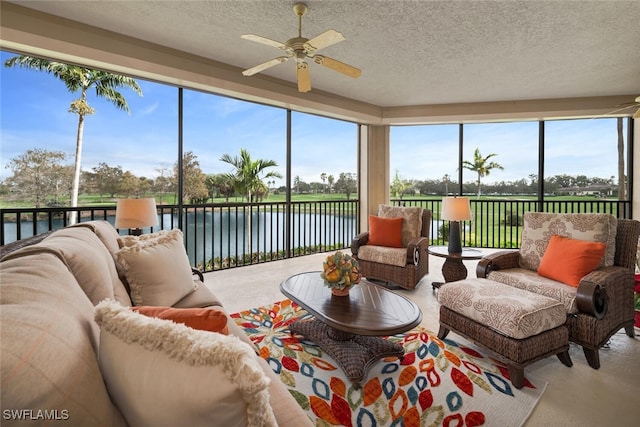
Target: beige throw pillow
point(411, 227)
point(540, 226)
point(157, 268)
point(161, 373)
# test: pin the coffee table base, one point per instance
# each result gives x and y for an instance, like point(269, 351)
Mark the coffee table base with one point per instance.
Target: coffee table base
point(354, 353)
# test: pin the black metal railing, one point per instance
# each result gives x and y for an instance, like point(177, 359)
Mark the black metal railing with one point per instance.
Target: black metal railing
point(498, 223)
point(217, 235)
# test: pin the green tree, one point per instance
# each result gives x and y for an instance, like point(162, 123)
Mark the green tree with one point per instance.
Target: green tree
point(346, 183)
point(163, 184)
point(81, 79)
point(482, 166)
point(330, 180)
point(219, 185)
point(37, 174)
point(194, 188)
point(398, 186)
point(248, 174)
point(105, 179)
point(129, 184)
point(323, 177)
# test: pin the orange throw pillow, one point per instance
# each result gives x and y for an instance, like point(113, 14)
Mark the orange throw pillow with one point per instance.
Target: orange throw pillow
point(569, 260)
point(385, 231)
point(204, 319)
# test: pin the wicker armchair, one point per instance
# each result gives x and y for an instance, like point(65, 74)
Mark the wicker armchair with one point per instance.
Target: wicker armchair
point(604, 297)
point(416, 262)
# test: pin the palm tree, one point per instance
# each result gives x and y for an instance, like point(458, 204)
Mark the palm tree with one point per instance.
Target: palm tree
point(248, 179)
point(481, 165)
point(249, 174)
point(80, 79)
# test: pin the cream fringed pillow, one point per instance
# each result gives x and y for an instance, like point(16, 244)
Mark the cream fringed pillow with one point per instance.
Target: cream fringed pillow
point(156, 267)
point(161, 373)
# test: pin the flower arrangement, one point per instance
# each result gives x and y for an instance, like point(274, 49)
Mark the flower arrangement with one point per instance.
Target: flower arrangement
point(340, 271)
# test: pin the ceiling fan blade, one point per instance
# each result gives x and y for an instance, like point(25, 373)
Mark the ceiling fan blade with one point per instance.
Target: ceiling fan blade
point(323, 40)
point(637, 114)
point(263, 40)
point(338, 66)
point(261, 67)
point(304, 80)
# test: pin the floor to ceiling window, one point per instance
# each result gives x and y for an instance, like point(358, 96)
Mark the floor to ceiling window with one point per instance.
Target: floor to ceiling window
point(323, 156)
point(424, 160)
point(500, 159)
point(582, 158)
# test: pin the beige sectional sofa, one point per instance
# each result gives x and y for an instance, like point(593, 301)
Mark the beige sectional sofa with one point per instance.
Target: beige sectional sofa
point(64, 360)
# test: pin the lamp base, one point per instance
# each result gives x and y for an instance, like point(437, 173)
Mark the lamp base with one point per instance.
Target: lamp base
point(135, 231)
point(455, 246)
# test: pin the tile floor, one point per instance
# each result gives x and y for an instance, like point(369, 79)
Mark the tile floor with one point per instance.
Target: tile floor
point(577, 396)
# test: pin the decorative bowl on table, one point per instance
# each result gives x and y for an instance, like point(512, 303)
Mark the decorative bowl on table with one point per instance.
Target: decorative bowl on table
point(340, 271)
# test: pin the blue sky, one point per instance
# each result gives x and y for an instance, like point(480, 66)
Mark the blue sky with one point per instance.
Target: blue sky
point(34, 114)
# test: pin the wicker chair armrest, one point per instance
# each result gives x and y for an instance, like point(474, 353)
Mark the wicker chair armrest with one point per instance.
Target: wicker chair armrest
point(198, 273)
point(604, 287)
point(501, 260)
point(415, 248)
point(360, 240)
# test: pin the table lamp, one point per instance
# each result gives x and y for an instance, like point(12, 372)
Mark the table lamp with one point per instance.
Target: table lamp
point(455, 209)
point(135, 214)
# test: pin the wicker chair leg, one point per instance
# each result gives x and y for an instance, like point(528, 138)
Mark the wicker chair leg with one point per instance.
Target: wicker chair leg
point(565, 358)
point(629, 329)
point(517, 376)
point(593, 358)
point(443, 332)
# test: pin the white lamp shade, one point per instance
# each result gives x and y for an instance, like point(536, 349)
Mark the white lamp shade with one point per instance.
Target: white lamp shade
point(136, 213)
point(456, 209)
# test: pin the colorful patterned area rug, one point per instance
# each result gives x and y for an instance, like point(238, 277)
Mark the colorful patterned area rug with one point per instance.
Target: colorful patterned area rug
point(438, 382)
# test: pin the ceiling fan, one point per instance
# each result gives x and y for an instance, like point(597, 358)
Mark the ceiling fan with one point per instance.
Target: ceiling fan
point(302, 48)
point(626, 106)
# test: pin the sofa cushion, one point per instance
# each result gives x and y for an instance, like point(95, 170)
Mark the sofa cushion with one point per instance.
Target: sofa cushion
point(385, 231)
point(569, 260)
point(539, 227)
point(513, 312)
point(412, 226)
point(157, 269)
point(49, 342)
point(90, 262)
point(204, 319)
point(383, 255)
point(108, 235)
point(201, 297)
point(188, 377)
point(531, 281)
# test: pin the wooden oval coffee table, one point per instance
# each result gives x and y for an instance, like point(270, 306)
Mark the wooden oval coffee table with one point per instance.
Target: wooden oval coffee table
point(349, 328)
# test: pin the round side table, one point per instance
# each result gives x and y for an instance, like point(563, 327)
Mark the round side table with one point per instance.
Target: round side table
point(453, 268)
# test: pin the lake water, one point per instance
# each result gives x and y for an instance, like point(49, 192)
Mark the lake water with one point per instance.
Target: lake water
point(220, 234)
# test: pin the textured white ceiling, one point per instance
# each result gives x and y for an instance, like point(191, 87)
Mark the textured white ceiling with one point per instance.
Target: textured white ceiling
point(411, 52)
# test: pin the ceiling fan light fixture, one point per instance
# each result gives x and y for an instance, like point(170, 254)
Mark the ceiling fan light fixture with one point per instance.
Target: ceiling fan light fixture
point(302, 48)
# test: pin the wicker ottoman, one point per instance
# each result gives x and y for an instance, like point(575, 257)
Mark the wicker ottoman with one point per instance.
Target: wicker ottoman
point(518, 327)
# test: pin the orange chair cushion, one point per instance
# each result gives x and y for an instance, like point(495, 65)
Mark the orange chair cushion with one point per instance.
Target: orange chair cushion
point(385, 231)
point(204, 319)
point(569, 260)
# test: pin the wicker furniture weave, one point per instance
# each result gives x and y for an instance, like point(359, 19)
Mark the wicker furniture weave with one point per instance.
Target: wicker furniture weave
point(349, 328)
point(417, 264)
point(515, 353)
point(604, 297)
point(519, 327)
